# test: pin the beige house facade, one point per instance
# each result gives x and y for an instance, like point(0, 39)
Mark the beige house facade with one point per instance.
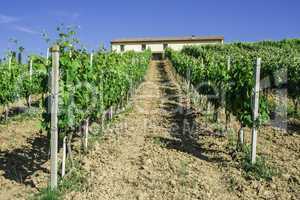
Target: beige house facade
point(158, 45)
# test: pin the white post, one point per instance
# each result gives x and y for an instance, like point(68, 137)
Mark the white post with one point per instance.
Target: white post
point(63, 165)
point(188, 78)
point(6, 110)
point(86, 134)
point(110, 113)
point(228, 63)
point(47, 56)
point(255, 109)
point(30, 78)
point(91, 59)
point(241, 136)
point(54, 112)
point(103, 121)
point(226, 109)
point(9, 62)
point(30, 68)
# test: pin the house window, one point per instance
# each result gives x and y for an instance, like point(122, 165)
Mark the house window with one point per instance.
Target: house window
point(143, 47)
point(122, 47)
point(165, 46)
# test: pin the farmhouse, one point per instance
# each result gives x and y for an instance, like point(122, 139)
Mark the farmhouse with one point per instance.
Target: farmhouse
point(158, 45)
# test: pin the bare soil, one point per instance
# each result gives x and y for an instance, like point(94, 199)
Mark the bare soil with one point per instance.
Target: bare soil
point(163, 149)
point(23, 158)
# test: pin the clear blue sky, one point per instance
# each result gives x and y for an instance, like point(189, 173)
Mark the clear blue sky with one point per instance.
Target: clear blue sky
point(102, 21)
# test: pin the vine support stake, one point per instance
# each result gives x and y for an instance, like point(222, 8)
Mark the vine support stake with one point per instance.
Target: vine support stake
point(103, 121)
point(91, 59)
point(227, 114)
point(6, 110)
point(255, 109)
point(241, 136)
point(30, 78)
point(54, 112)
point(9, 62)
point(86, 134)
point(47, 56)
point(111, 113)
point(228, 63)
point(63, 164)
point(188, 79)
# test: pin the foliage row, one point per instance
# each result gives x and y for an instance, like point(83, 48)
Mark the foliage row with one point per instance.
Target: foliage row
point(87, 86)
point(225, 73)
point(87, 89)
point(15, 80)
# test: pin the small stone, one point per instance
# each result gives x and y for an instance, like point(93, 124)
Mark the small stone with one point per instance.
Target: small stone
point(172, 183)
point(148, 161)
point(273, 186)
point(140, 196)
point(286, 176)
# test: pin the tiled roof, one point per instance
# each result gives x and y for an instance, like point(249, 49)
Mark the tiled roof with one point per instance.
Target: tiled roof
point(169, 39)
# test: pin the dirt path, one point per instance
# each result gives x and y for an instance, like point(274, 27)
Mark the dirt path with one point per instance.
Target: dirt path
point(149, 155)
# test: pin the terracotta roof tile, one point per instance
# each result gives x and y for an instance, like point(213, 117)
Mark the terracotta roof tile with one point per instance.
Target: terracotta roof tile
point(168, 39)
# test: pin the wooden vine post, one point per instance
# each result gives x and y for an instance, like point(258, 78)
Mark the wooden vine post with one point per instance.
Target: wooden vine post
point(91, 59)
point(54, 113)
point(86, 134)
point(227, 113)
point(255, 109)
point(47, 56)
point(9, 62)
point(188, 78)
point(63, 163)
point(111, 112)
point(86, 122)
point(30, 78)
point(241, 136)
point(6, 109)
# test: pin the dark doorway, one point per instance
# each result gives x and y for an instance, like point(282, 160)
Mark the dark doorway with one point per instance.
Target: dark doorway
point(157, 56)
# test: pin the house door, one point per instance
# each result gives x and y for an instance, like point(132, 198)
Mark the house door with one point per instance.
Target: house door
point(157, 56)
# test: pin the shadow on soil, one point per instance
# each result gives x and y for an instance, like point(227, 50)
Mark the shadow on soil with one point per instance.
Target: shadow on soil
point(294, 126)
point(185, 130)
point(19, 164)
point(17, 110)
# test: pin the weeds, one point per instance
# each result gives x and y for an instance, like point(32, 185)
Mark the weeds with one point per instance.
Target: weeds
point(232, 140)
point(183, 168)
point(232, 183)
point(183, 172)
point(73, 181)
point(259, 170)
point(28, 113)
point(218, 127)
point(158, 141)
point(48, 194)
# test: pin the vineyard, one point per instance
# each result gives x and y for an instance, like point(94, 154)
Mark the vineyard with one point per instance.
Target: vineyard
point(109, 125)
point(227, 72)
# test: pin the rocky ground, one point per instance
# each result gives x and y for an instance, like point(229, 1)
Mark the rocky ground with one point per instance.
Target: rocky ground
point(161, 148)
point(23, 157)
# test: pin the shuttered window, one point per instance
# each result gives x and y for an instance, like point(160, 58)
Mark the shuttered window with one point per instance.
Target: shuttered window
point(122, 47)
point(143, 47)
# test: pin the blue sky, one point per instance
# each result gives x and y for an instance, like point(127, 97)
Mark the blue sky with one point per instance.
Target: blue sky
point(102, 21)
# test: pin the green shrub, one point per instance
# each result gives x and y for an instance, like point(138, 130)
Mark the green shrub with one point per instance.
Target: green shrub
point(48, 194)
point(73, 181)
point(260, 169)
